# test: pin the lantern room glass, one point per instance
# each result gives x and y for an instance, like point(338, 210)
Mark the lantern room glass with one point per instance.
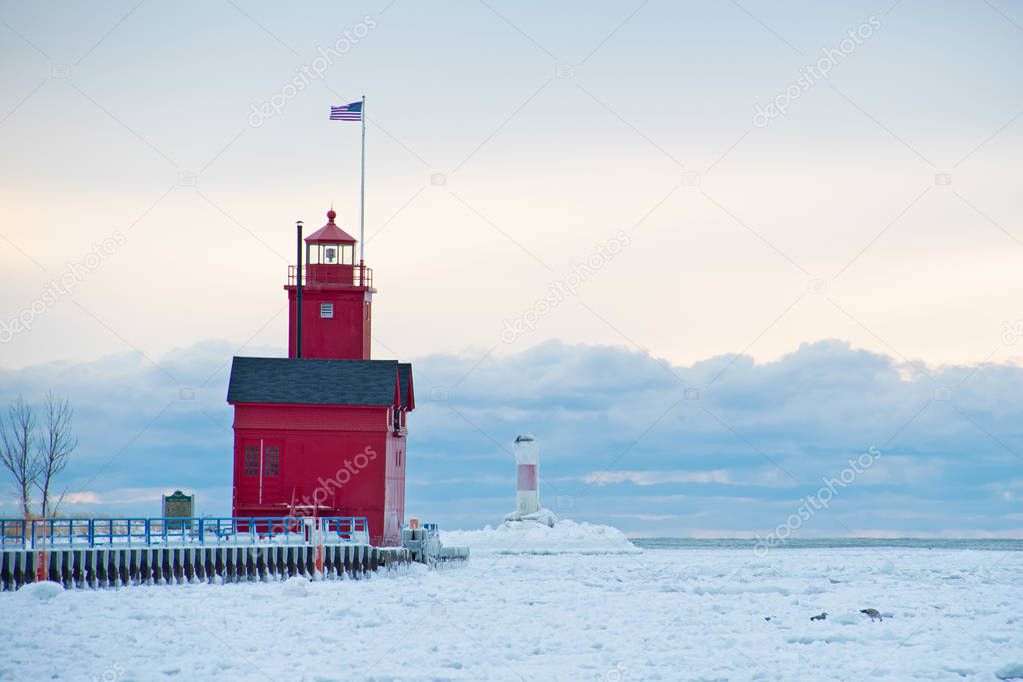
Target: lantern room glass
point(330, 254)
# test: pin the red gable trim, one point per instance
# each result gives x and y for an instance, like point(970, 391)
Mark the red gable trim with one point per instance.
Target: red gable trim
point(411, 403)
point(397, 388)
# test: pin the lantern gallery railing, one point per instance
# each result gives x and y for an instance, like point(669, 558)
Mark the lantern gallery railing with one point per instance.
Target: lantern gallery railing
point(332, 275)
point(176, 532)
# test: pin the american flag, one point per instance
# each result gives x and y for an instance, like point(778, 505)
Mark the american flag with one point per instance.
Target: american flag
point(347, 112)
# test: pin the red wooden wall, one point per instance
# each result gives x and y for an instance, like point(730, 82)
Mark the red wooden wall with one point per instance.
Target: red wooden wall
point(343, 460)
point(346, 336)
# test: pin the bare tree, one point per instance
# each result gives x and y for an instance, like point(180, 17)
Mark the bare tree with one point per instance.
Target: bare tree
point(55, 446)
point(17, 445)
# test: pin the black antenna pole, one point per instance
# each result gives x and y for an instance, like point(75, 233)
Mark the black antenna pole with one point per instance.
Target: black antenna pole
point(298, 282)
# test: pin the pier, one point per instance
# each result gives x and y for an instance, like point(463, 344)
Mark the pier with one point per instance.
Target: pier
point(96, 553)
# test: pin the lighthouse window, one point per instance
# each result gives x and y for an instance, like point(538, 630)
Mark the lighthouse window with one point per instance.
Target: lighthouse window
point(326, 310)
point(251, 463)
point(272, 461)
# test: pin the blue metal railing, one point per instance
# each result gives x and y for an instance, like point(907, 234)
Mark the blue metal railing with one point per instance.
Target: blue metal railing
point(169, 531)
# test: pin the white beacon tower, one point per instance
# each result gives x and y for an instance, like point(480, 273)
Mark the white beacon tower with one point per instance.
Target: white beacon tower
point(527, 459)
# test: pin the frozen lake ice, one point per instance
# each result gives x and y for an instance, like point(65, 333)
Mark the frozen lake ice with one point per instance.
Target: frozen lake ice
point(665, 614)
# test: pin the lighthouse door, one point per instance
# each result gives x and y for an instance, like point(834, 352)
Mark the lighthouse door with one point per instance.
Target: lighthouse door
point(248, 474)
point(270, 474)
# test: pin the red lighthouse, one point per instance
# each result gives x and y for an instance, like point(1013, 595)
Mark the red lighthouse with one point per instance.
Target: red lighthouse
point(323, 431)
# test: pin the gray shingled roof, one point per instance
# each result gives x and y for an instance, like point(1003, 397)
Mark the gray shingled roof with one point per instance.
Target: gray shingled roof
point(313, 381)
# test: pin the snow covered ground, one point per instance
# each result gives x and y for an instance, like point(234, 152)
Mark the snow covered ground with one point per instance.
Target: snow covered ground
point(658, 614)
point(530, 537)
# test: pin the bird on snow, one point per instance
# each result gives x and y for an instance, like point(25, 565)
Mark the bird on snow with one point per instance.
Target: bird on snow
point(873, 613)
point(823, 615)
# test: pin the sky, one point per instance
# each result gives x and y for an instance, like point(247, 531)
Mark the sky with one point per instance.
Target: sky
point(802, 217)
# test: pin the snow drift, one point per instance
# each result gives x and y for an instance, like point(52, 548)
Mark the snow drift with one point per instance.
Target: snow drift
point(544, 535)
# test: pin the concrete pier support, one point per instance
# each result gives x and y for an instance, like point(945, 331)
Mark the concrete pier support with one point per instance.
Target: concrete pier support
point(101, 567)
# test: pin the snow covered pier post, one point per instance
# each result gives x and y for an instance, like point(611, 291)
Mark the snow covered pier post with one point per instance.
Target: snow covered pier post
point(425, 546)
point(110, 552)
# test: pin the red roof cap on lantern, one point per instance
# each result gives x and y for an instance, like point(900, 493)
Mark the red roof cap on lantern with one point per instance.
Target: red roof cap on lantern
point(330, 233)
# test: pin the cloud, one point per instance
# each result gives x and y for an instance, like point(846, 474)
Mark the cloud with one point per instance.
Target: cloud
point(143, 423)
point(767, 478)
point(117, 497)
point(646, 517)
point(620, 437)
point(83, 497)
point(646, 478)
point(615, 423)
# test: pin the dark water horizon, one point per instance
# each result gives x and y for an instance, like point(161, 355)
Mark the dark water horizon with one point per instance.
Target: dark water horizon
point(984, 544)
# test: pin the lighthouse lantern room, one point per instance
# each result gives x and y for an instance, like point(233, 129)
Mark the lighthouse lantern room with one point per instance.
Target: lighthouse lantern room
point(322, 432)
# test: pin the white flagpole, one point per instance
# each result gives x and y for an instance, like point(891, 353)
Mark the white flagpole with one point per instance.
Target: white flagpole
point(362, 191)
